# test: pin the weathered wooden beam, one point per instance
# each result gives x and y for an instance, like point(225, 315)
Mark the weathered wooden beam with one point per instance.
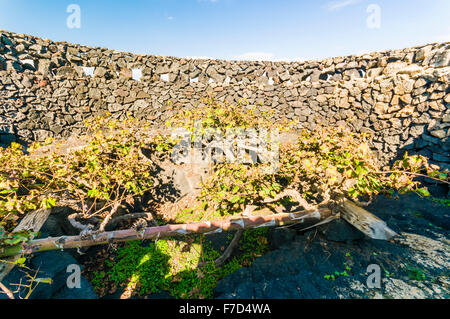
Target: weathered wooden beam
point(366, 222)
point(32, 221)
point(306, 217)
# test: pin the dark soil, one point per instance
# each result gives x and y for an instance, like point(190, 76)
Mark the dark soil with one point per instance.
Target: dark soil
point(300, 264)
point(415, 264)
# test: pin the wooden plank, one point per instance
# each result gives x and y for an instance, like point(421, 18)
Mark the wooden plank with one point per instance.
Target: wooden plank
point(306, 217)
point(32, 221)
point(366, 222)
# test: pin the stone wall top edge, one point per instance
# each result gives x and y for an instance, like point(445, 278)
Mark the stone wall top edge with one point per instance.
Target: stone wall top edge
point(352, 57)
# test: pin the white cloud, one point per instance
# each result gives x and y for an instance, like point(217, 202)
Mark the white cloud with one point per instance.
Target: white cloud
point(443, 37)
point(297, 59)
point(199, 57)
point(363, 51)
point(265, 56)
point(255, 56)
point(336, 5)
point(170, 18)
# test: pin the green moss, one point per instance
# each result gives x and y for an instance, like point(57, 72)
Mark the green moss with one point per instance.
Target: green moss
point(97, 280)
point(172, 265)
point(415, 273)
point(442, 201)
point(138, 264)
point(254, 243)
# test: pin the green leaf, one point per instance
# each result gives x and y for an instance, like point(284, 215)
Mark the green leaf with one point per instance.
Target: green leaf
point(9, 191)
point(48, 203)
point(21, 261)
point(15, 146)
point(359, 170)
point(235, 199)
point(423, 191)
point(92, 192)
point(44, 280)
point(13, 241)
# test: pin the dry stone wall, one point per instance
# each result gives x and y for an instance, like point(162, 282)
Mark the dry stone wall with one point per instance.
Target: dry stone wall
point(402, 96)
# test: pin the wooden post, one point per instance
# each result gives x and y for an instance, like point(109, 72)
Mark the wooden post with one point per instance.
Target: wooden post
point(307, 217)
point(366, 222)
point(32, 221)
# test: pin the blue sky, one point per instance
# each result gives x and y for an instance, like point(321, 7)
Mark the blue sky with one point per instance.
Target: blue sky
point(236, 29)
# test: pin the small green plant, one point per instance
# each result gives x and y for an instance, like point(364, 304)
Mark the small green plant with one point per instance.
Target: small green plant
point(324, 165)
point(110, 169)
point(172, 265)
point(28, 283)
point(329, 277)
point(345, 273)
point(212, 114)
point(415, 273)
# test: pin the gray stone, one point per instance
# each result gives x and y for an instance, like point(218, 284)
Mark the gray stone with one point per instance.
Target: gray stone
point(393, 140)
point(140, 104)
point(442, 59)
point(417, 130)
point(66, 70)
point(14, 66)
point(42, 135)
point(116, 107)
point(302, 111)
point(100, 72)
point(394, 67)
point(95, 94)
point(446, 118)
point(44, 66)
point(129, 99)
point(163, 69)
point(438, 133)
point(422, 53)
